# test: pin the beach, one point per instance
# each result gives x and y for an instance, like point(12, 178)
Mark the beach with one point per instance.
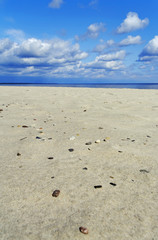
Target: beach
point(99, 147)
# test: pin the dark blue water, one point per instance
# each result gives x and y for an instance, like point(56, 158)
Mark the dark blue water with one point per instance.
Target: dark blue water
point(89, 85)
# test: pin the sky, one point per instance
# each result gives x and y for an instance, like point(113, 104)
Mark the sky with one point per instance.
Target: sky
point(79, 41)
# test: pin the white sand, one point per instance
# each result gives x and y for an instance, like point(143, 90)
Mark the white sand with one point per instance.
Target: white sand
point(129, 122)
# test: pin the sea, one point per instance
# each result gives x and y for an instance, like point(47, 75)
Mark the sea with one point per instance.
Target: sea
point(88, 85)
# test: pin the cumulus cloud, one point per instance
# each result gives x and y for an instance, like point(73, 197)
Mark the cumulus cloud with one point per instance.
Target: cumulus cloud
point(5, 44)
point(150, 51)
point(132, 23)
point(130, 40)
point(109, 61)
point(103, 45)
point(33, 53)
point(93, 31)
point(56, 3)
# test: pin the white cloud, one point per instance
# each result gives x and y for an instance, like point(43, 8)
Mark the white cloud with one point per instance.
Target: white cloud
point(132, 23)
point(150, 51)
point(5, 44)
point(15, 34)
point(103, 45)
point(130, 40)
point(56, 3)
point(119, 55)
point(93, 31)
point(110, 61)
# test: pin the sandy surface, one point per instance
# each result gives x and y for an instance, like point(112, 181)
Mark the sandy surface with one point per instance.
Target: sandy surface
point(127, 121)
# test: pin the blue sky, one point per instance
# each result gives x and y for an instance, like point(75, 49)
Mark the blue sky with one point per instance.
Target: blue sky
point(79, 40)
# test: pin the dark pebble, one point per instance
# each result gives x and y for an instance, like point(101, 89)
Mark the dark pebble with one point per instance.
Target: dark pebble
point(100, 128)
point(49, 138)
point(98, 186)
point(56, 193)
point(25, 126)
point(1, 110)
point(38, 137)
point(89, 149)
point(144, 171)
point(85, 110)
point(88, 143)
point(50, 158)
point(52, 177)
point(71, 149)
point(148, 136)
point(85, 168)
point(133, 140)
point(113, 184)
point(18, 154)
point(120, 151)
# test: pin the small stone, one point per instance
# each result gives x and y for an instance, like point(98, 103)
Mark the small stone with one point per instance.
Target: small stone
point(18, 154)
point(71, 149)
point(133, 140)
point(100, 128)
point(56, 193)
point(120, 151)
point(72, 138)
point(25, 126)
point(97, 141)
point(50, 158)
point(144, 171)
point(98, 186)
point(1, 110)
point(148, 136)
point(49, 138)
point(38, 137)
point(85, 110)
point(113, 184)
point(83, 230)
point(88, 143)
point(85, 168)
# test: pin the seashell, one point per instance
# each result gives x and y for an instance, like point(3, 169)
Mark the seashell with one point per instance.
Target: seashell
point(56, 193)
point(83, 230)
point(97, 141)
